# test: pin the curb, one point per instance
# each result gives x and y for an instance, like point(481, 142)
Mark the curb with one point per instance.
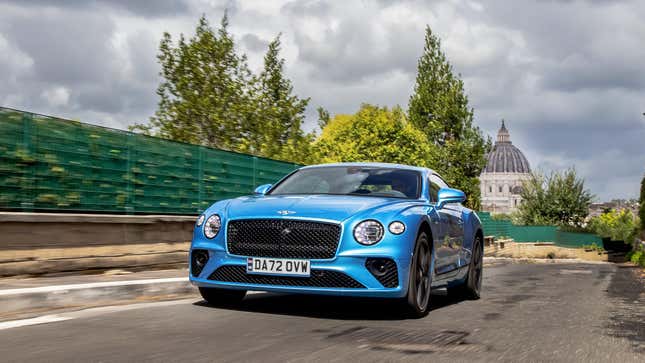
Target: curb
point(492, 260)
point(28, 301)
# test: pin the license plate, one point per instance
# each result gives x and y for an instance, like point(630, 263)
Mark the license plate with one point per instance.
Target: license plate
point(277, 266)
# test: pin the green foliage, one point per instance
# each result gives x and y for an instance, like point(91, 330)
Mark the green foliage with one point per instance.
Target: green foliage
point(439, 108)
point(501, 217)
point(323, 117)
point(618, 225)
point(276, 129)
point(637, 257)
point(373, 134)
point(556, 199)
point(208, 96)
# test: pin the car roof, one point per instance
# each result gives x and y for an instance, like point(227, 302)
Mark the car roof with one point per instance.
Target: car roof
point(374, 165)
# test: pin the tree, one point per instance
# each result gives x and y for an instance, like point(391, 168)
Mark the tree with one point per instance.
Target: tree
point(559, 198)
point(208, 96)
point(439, 108)
point(278, 127)
point(323, 117)
point(373, 134)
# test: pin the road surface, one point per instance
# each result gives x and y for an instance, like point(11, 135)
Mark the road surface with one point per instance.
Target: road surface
point(528, 312)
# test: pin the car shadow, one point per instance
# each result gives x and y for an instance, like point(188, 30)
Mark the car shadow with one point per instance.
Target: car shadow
point(328, 307)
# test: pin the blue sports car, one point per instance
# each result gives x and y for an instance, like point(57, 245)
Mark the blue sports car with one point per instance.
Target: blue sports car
point(352, 229)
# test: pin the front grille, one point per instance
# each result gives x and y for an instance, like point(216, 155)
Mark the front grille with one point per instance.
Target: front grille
point(384, 270)
point(318, 278)
point(283, 238)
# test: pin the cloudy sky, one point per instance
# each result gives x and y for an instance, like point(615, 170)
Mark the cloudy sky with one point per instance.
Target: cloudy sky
point(568, 76)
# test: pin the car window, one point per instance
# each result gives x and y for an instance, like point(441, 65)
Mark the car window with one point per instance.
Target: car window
point(352, 180)
point(434, 178)
point(434, 191)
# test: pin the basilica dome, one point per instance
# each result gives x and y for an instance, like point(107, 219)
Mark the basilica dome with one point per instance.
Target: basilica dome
point(503, 178)
point(505, 157)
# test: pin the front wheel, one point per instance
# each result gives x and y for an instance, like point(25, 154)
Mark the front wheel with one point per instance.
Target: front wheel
point(471, 288)
point(222, 297)
point(417, 299)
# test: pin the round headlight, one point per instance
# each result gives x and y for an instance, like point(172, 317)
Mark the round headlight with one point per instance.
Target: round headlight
point(200, 220)
point(212, 226)
point(368, 232)
point(397, 227)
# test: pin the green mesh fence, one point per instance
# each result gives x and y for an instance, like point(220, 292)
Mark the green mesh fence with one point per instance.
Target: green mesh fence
point(52, 164)
point(505, 228)
point(494, 227)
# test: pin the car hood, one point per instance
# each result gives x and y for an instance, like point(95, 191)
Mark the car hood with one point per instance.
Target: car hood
point(330, 207)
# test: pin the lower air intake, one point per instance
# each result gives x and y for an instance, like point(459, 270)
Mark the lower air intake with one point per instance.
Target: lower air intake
point(318, 278)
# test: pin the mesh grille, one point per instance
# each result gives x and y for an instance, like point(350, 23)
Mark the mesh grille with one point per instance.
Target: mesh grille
point(283, 238)
point(390, 277)
point(195, 267)
point(319, 278)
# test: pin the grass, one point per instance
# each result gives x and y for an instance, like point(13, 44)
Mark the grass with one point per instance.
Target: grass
point(593, 247)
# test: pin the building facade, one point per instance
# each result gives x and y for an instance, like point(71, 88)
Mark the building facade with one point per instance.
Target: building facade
point(501, 181)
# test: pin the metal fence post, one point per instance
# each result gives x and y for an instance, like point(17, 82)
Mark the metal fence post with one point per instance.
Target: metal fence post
point(255, 170)
point(129, 205)
point(200, 179)
point(27, 124)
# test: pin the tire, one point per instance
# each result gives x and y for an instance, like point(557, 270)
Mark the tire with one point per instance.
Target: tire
point(470, 289)
point(417, 299)
point(221, 297)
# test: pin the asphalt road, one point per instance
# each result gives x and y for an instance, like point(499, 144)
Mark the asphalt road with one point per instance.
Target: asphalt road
point(528, 312)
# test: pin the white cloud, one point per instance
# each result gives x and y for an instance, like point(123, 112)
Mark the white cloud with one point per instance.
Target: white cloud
point(56, 96)
point(567, 75)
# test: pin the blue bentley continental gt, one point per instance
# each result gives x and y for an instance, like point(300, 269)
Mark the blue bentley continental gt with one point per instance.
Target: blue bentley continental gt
point(351, 229)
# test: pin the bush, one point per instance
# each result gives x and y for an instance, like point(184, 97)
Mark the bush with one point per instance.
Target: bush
point(501, 217)
point(637, 257)
point(617, 225)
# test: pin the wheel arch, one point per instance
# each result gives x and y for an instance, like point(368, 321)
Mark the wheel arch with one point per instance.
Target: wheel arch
point(424, 226)
point(480, 233)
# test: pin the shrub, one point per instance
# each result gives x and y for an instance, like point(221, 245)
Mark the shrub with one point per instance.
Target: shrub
point(501, 217)
point(637, 257)
point(618, 225)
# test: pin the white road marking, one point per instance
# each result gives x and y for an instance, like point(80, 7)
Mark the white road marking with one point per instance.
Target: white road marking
point(33, 321)
point(40, 289)
point(45, 319)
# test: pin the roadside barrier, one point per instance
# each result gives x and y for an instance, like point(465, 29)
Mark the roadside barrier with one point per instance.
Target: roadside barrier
point(52, 164)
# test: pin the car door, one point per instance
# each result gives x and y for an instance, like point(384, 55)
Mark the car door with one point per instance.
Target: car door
point(451, 217)
point(440, 219)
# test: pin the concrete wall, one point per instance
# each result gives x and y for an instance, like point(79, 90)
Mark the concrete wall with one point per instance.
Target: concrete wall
point(49, 230)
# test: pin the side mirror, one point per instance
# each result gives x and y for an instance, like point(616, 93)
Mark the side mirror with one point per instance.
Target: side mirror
point(449, 195)
point(263, 189)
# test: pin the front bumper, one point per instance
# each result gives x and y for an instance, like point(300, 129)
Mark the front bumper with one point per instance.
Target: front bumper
point(352, 266)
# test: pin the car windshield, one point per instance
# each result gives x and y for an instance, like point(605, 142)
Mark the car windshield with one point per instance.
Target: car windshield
point(352, 180)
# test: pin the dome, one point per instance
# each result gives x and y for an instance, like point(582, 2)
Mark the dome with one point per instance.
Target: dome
point(505, 157)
